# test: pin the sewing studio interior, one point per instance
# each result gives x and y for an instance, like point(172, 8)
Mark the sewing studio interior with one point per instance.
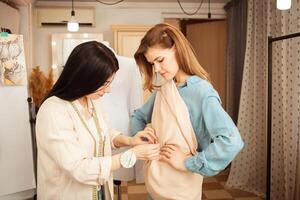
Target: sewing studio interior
point(93, 95)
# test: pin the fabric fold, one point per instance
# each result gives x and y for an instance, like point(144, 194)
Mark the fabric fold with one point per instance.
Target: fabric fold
point(172, 125)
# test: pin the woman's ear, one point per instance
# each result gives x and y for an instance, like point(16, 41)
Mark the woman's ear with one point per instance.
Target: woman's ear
point(174, 48)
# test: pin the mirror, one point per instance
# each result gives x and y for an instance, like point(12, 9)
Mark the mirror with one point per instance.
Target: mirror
point(63, 44)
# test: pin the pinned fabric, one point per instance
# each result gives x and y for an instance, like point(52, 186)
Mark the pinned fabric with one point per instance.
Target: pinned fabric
point(171, 122)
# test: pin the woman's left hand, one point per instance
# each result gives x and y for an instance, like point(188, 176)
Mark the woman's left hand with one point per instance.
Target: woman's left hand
point(172, 155)
point(147, 136)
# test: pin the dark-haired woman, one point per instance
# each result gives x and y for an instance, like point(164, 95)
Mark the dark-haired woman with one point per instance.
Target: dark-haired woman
point(74, 142)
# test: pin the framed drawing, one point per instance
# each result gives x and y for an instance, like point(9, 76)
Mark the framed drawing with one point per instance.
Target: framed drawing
point(12, 60)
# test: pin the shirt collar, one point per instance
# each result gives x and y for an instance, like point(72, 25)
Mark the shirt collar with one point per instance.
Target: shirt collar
point(190, 81)
point(81, 108)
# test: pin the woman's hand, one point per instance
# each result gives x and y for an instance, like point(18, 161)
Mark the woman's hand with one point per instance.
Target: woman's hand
point(147, 151)
point(144, 137)
point(172, 155)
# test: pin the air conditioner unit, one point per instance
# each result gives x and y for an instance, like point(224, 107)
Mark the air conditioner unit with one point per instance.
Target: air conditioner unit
point(60, 16)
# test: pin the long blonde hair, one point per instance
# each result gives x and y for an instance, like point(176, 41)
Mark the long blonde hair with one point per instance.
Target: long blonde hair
point(166, 36)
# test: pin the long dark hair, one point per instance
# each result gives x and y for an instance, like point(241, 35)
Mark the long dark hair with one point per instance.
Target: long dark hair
point(88, 67)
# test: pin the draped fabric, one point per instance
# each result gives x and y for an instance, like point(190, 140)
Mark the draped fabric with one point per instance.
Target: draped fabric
point(248, 170)
point(286, 103)
point(171, 122)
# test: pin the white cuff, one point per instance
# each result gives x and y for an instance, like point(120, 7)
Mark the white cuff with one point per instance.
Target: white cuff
point(105, 168)
point(113, 135)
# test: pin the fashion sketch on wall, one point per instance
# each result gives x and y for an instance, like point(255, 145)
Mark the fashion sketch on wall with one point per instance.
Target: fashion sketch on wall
point(12, 60)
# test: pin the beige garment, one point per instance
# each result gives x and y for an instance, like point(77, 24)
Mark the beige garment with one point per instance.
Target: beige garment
point(67, 168)
point(172, 124)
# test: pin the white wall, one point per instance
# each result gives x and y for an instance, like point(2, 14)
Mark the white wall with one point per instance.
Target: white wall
point(125, 13)
point(104, 19)
point(16, 168)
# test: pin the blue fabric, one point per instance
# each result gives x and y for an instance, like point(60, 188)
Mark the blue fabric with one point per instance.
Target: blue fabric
point(218, 138)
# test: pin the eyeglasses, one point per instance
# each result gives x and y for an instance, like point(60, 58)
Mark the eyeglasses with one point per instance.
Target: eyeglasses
point(105, 85)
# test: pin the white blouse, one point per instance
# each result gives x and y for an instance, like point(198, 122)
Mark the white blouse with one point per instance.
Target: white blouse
point(67, 167)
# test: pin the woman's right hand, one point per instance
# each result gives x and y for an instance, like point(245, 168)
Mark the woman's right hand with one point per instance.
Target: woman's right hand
point(147, 151)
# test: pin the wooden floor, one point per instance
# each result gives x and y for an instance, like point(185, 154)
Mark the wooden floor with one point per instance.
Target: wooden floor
point(213, 189)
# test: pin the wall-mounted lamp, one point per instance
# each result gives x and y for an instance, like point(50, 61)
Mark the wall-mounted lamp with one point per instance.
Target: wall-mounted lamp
point(73, 25)
point(283, 4)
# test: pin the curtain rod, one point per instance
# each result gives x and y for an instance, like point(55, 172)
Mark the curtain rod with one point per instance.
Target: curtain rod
point(288, 36)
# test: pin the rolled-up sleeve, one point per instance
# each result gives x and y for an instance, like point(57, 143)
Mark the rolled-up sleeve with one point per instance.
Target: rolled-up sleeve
point(225, 139)
point(142, 116)
point(58, 141)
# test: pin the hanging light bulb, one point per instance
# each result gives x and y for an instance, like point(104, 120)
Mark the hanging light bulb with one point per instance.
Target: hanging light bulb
point(283, 4)
point(73, 25)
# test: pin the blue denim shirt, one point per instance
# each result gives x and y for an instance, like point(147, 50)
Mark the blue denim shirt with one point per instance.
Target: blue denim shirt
point(218, 138)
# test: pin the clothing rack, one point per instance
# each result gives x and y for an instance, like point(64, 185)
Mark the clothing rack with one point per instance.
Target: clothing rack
point(32, 120)
point(269, 108)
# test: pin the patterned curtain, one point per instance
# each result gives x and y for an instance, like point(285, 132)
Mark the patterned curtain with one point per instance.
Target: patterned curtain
point(286, 103)
point(235, 53)
point(249, 169)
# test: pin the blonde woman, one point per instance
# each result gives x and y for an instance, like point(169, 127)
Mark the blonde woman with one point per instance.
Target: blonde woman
point(197, 137)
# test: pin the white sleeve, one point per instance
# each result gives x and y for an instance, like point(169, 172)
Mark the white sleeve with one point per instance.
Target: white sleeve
point(113, 134)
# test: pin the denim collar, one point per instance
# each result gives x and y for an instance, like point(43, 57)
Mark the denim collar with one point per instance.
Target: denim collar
point(190, 81)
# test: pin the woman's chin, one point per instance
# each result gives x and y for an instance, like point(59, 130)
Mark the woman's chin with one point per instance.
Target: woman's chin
point(168, 78)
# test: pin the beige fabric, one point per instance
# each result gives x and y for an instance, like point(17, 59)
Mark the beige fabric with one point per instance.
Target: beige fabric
point(172, 124)
point(67, 168)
